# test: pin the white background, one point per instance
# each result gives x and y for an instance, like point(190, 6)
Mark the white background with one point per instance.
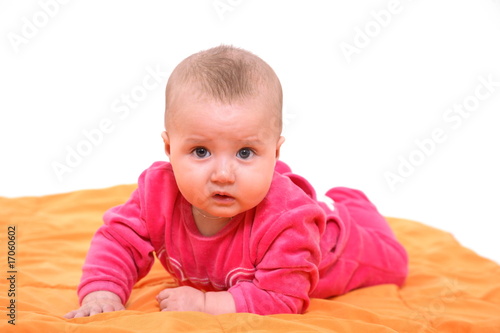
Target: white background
point(65, 68)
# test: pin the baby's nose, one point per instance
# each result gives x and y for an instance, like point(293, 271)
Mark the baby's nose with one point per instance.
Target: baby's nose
point(223, 172)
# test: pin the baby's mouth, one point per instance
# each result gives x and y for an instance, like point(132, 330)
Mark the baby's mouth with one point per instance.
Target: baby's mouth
point(223, 198)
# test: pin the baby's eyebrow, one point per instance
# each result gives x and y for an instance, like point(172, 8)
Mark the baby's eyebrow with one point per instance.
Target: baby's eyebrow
point(243, 142)
point(197, 141)
point(251, 140)
point(255, 142)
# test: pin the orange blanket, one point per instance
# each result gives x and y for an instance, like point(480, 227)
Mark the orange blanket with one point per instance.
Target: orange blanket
point(449, 289)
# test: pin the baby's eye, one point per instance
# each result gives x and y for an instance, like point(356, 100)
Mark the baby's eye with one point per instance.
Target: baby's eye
point(201, 152)
point(245, 153)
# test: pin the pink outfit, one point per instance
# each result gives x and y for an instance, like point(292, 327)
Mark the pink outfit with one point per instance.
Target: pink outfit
point(272, 258)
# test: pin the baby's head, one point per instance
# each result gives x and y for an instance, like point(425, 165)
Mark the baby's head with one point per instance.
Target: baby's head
point(223, 129)
point(226, 75)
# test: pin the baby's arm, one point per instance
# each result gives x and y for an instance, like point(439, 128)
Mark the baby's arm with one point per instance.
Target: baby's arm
point(97, 302)
point(287, 265)
point(191, 299)
point(120, 254)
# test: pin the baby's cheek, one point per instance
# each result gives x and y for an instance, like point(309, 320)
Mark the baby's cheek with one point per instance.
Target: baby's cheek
point(255, 188)
point(191, 188)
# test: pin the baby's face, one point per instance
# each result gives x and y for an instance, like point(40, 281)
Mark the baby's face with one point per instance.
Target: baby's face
point(223, 155)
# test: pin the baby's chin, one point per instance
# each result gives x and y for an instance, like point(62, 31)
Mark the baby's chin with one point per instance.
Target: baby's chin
point(221, 212)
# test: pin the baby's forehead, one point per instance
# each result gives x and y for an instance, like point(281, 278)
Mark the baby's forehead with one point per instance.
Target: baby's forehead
point(200, 110)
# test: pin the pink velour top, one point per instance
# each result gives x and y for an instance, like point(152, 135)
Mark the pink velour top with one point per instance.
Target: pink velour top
point(271, 258)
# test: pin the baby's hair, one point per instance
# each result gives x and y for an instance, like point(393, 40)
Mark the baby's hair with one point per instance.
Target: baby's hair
point(228, 74)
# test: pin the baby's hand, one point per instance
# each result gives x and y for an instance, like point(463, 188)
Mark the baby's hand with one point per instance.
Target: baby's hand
point(181, 299)
point(97, 302)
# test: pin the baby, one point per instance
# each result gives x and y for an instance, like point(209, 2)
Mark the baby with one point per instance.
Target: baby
point(233, 225)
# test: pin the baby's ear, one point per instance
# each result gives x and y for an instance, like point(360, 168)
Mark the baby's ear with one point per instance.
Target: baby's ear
point(278, 146)
point(166, 140)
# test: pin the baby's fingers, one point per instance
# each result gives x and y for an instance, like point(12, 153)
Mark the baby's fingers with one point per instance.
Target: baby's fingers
point(112, 308)
point(163, 294)
point(93, 309)
point(82, 312)
point(70, 315)
point(77, 314)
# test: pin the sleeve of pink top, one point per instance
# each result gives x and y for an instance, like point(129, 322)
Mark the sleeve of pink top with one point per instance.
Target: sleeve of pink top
point(287, 271)
point(120, 253)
